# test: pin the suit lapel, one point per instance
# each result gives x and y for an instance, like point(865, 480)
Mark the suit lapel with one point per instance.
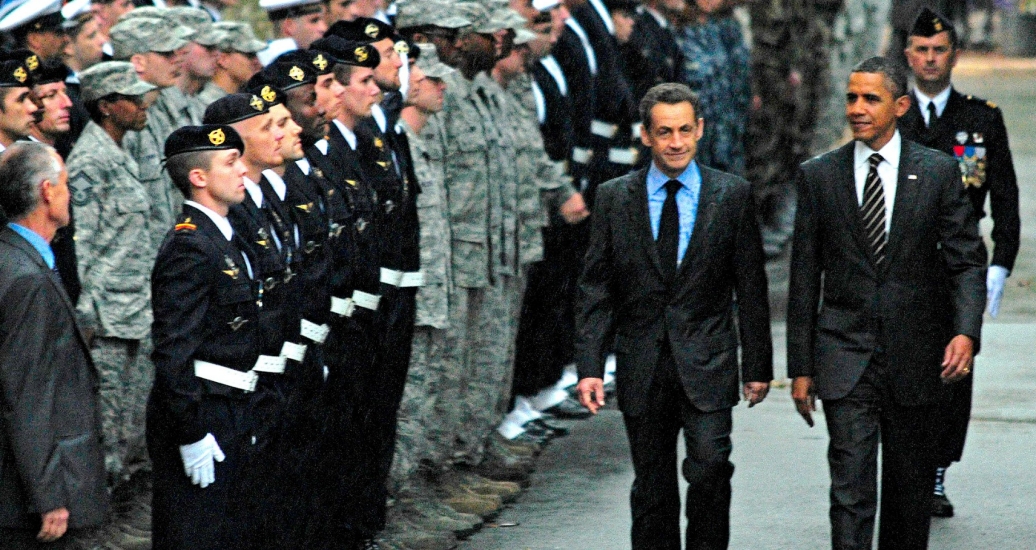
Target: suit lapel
point(906, 197)
point(640, 217)
point(20, 243)
point(845, 187)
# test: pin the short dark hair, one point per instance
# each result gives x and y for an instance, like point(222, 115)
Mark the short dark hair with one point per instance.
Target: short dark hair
point(343, 73)
point(23, 167)
point(895, 77)
point(670, 93)
point(180, 166)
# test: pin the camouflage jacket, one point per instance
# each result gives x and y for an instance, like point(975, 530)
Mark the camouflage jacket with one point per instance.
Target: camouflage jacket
point(209, 93)
point(474, 196)
point(113, 237)
point(503, 167)
point(434, 217)
point(172, 110)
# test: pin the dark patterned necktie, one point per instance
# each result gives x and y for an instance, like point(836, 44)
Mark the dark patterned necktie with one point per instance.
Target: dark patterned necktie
point(932, 117)
point(669, 231)
point(872, 212)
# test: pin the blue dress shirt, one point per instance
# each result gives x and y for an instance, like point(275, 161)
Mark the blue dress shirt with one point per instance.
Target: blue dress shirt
point(39, 243)
point(686, 202)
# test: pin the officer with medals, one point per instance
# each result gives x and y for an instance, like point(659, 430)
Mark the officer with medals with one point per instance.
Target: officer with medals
point(205, 411)
point(973, 131)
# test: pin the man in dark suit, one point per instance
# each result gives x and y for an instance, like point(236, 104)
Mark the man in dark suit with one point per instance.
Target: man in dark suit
point(973, 131)
point(52, 476)
point(671, 245)
point(886, 299)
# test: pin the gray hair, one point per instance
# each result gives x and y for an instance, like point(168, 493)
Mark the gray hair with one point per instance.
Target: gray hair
point(23, 167)
point(669, 93)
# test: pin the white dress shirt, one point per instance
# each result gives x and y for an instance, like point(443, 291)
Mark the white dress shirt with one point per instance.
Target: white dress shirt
point(888, 171)
point(939, 100)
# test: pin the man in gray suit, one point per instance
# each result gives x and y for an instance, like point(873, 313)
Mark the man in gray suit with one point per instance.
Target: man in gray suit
point(888, 286)
point(52, 470)
point(670, 247)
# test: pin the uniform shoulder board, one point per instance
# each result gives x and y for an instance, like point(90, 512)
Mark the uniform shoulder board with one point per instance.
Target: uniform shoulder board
point(185, 225)
point(981, 101)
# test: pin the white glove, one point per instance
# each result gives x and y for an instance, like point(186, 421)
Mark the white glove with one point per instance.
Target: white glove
point(995, 278)
point(198, 460)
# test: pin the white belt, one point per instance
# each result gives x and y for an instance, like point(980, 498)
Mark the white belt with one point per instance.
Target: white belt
point(623, 156)
point(412, 279)
point(635, 130)
point(582, 155)
point(314, 332)
point(401, 279)
point(346, 306)
point(244, 381)
point(293, 351)
point(270, 364)
point(603, 129)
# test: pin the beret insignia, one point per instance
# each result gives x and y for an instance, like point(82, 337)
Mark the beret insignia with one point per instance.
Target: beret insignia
point(296, 74)
point(256, 103)
point(378, 143)
point(402, 48)
point(268, 93)
point(32, 62)
point(320, 62)
point(937, 24)
point(217, 137)
point(361, 54)
point(20, 75)
point(371, 30)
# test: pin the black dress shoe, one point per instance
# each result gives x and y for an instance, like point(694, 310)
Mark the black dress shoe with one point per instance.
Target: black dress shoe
point(569, 408)
point(941, 507)
point(554, 428)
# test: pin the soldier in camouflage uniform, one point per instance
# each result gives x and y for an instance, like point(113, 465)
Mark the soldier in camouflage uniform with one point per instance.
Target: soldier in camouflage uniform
point(789, 84)
point(236, 61)
point(115, 261)
point(199, 64)
point(155, 44)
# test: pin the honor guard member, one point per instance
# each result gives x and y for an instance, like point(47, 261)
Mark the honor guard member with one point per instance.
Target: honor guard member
point(18, 113)
point(152, 45)
point(199, 62)
point(653, 41)
point(296, 24)
point(83, 52)
point(35, 25)
point(614, 154)
point(236, 60)
point(113, 237)
point(973, 131)
point(204, 414)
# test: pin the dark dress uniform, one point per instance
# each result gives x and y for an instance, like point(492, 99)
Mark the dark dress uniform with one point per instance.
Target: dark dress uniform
point(385, 159)
point(973, 131)
point(580, 73)
point(207, 305)
point(657, 54)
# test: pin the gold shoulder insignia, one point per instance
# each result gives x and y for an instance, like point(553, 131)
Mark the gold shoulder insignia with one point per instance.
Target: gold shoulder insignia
point(991, 104)
point(351, 182)
point(187, 226)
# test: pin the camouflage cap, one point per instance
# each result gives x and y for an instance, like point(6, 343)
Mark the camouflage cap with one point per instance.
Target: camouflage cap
point(236, 36)
point(199, 21)
point(437, 13)
point(112, 77)
point(480, 16)
point(506, 18)
point(524, 36)
point(430, 64)
point(165, 14)
point(145, 34)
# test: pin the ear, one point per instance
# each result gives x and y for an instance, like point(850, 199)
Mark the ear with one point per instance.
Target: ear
point(139, 62)
point(645, 135)
point(902, 105)
point(701, 129)
point(199, 178)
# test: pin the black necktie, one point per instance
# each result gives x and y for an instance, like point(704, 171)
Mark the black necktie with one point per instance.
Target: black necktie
point(932, 117)
point(669, 231)
point(872, 211)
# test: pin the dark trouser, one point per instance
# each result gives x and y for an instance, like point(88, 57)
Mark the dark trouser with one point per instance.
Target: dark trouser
point(954, 414)
point(25, 539)
point(655, 498)
point(223, 515)
point(857, 423)
point(546, 326)
point(376, 413)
